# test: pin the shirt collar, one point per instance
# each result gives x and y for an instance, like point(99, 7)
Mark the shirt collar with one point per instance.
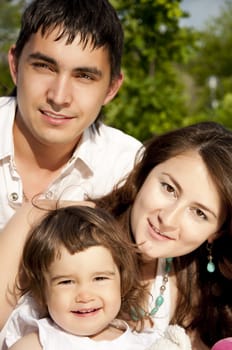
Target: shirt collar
point(7, 115)
point(86, 151)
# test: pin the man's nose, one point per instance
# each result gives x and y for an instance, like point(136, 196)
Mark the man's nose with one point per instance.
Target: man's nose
point(60, 92)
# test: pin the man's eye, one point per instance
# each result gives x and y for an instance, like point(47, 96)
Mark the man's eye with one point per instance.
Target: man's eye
point(84, 76)
point(42, 65)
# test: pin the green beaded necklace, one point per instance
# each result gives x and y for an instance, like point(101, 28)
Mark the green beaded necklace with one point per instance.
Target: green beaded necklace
point(140, 313)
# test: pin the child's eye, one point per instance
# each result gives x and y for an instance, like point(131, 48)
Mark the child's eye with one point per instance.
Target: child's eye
point(66, 282)
point(101, 278)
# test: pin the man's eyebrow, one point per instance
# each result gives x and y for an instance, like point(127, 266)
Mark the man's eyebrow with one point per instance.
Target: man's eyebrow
point(91, 70)
point(41, 56)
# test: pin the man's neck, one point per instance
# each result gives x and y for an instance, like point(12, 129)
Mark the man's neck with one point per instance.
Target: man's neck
point(38, 155)
point(38, 165)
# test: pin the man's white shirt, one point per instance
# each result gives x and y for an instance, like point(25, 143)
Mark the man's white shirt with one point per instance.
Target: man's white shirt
point(100, 161)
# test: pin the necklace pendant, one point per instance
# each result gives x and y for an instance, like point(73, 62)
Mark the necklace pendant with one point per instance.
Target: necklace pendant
point(134, 316)
point(210, 266)
point(153, 311)
point(159, 301)
point(138, 314)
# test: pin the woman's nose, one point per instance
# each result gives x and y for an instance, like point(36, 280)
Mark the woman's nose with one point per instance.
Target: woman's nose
point(169, 218)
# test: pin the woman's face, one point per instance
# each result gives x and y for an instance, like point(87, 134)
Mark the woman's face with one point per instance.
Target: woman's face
point(177, 208)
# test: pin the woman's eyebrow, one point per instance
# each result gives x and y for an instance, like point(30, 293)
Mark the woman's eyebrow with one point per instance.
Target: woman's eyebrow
point(206, 209)
point(174, 181)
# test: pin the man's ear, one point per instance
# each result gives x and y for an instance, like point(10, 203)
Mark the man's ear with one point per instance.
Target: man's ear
point(12, 61)
point(113, 88)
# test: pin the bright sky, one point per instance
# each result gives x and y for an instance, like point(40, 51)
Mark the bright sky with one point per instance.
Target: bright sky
point(200, 11)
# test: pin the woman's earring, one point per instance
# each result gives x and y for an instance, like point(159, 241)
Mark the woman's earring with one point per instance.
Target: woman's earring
point(210, 265)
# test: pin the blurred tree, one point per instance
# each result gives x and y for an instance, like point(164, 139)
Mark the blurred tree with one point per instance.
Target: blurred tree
point(152, 98)
point(10, 12)
point(211, 70)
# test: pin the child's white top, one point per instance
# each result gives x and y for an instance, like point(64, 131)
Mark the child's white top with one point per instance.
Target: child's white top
point(53, 337)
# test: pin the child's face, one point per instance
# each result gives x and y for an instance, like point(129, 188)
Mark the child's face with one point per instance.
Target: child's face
point(83, 291)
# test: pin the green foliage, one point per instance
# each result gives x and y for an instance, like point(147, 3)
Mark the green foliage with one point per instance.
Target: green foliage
point(151, 99)
point(10, 13)
point(9, 22)
point(148, 106)
point(212, 58)
point(214, 53)
point(224, 111)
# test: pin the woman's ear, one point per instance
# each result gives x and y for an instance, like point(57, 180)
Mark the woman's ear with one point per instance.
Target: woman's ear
point(214, 236)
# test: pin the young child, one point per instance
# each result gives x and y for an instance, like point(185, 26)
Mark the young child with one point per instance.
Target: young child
point(82, 275)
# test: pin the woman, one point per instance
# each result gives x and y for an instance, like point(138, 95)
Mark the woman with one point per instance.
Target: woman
point(176, 203)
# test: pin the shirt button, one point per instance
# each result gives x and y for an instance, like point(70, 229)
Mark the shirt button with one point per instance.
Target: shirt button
point(13, 197)
point(71, 160)
point(49, 195)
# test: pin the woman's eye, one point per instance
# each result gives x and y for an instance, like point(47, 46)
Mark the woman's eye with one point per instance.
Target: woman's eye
point(168, 188)
point(201, 214)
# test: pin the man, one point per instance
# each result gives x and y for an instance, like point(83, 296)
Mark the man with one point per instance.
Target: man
point(65, 66)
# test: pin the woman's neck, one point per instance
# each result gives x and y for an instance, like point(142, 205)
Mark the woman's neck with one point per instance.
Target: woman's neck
point(149, 270)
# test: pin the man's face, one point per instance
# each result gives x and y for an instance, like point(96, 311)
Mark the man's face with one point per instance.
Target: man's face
point(60, 88)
